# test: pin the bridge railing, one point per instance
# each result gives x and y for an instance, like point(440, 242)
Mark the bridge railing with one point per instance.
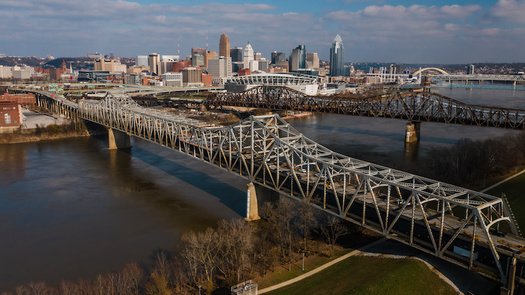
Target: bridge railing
point(424, 213)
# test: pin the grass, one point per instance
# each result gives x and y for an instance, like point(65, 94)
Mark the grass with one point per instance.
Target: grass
point(281, 273)
point(514, 189)
point(371, 275)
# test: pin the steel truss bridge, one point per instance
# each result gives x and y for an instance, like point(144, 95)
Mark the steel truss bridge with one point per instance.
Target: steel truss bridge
point(412, 106)
point(450, 222)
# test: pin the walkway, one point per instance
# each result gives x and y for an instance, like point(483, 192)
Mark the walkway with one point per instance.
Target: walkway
point(503, 181)
point(320, 268)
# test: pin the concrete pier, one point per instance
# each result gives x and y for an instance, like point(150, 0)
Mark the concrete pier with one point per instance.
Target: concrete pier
point(412, 132)
point(118, 139)
point(252, 208)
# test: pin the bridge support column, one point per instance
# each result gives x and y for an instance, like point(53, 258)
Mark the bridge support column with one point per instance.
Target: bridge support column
point(252, 208)
point(118, 140)
point(412, 132)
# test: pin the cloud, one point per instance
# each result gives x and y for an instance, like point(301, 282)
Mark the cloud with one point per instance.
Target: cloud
point(508, 11)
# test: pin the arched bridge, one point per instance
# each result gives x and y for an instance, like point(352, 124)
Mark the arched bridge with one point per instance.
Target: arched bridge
point(450, 222)
point(429, 69)
point(412, 106)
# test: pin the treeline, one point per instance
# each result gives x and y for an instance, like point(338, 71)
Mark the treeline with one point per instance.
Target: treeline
point(471, 163)
point(233, 252)
point(47, 132)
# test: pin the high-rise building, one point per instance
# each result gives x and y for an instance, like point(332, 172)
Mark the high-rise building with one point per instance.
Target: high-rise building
point(220, 67)
point(224, 46)
point(154, 63)
point(294, 59)
point(313, 60)
point(470, 70)
point(209, 56)
point(278, 57)
point(298, 58)
point(197, 60)
point(248, 56)
point(199, 51)
point(142, 60)
point(257, 55)
point(337, 57)
point(236, 54)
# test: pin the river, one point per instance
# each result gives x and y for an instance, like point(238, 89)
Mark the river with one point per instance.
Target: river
point(73, 209)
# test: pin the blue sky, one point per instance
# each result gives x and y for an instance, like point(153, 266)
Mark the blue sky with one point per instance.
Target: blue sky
point(372, 30)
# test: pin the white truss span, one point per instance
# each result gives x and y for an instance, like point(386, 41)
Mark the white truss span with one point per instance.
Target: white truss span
point(427, 214)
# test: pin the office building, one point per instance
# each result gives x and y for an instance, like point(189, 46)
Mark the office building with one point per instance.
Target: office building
point(197, 60)
point(312, 60)
point(224, 46)
point(294, 59)
point(236, 54)
point(154, 63)
point(133, 79)
point(337, 57)
point(141, 61)
point(278, 57)
point(172, 79)
point(200, 51)
point(209, 56)
point(220, 67)
point(470, 70)
point(191, 76)
point(248, 56)
point(263, 65)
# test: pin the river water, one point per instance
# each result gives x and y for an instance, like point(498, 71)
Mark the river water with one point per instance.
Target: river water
point(73, 209)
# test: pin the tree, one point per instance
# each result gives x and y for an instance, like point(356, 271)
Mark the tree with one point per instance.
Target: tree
point(200, 251)
point(305, 221)
point(333, 229)
point(237, 241)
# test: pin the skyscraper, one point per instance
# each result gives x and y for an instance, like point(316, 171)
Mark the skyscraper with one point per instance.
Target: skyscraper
point(224, 46)
point(278, 57)
point(313, 59)
point(236, 54)
point(337, 57)
point(248, 55)
point(154, 63)
point(298, 58)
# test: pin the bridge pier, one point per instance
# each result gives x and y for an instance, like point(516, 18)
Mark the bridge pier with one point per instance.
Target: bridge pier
point(252, 208)
point(412, 132)
point(118, 139)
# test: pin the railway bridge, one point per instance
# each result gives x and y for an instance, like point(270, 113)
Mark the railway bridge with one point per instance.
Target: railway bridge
point(450, 222)
point(415, 107)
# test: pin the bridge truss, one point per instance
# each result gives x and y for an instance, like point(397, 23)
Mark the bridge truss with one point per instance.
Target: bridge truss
point(426, 214)
point(412, 106)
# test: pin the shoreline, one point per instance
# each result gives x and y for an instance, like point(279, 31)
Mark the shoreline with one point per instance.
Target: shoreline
point(29, 138)
point(297, 115)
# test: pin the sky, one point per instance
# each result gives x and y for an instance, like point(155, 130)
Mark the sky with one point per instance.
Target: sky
point(409, 31)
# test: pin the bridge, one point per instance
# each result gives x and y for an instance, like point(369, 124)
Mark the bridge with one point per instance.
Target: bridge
point(412, 106)
point(450, 222)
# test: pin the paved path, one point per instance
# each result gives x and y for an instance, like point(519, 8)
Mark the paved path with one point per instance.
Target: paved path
point(503, 181)
point(320, 268)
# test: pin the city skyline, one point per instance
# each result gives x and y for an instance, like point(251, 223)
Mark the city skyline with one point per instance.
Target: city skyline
point(373, 30)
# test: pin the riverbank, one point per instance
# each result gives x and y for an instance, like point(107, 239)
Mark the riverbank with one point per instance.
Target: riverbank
point(50, 132)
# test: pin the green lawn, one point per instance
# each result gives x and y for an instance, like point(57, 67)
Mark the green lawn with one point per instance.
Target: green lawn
point(371, 275)
point(514, 189)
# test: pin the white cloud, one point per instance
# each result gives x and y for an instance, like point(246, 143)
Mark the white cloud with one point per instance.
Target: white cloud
point(508, 11)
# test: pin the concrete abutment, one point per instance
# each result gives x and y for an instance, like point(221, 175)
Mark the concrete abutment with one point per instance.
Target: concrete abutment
point(118, 139)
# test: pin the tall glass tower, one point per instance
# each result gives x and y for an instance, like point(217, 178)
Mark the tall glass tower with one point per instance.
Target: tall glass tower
point(337, 57)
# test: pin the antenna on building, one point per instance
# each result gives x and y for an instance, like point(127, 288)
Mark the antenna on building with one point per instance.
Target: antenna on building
point(178, 48)
point(206, 42)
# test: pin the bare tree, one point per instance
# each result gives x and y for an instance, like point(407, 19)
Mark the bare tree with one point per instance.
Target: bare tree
point(333, 229)
point(305, 221)
point(236, 248)
point(200, 251)
point(37, 288)
point(132, 276)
